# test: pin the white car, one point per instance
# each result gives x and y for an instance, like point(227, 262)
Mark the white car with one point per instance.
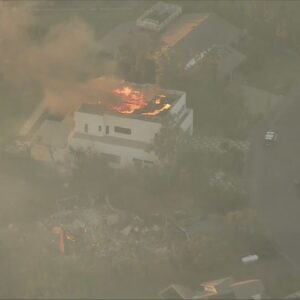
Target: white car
point(270, 138)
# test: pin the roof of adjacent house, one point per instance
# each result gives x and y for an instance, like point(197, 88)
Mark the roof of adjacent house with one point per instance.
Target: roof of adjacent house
point(54, 133)
point(177, 291)
point(256, 100)
point(229, 59)
point(199, 31)
point(218, 282)
point(193, 34)
point(190, 34)
point(224, 288)
point(247, 288)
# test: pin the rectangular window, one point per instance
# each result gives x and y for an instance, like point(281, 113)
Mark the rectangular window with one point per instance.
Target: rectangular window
point(111, 157)
point(99, 128)
point(86, 127)
point(107, 130)
point(122, 130)
point(148, 162)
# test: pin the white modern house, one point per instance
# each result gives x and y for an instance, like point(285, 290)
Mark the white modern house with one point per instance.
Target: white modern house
point(123, 132)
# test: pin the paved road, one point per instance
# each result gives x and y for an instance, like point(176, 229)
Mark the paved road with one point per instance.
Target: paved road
point(271, 172)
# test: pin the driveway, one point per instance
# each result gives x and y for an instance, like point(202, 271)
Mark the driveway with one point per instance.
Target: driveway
point(270, 173)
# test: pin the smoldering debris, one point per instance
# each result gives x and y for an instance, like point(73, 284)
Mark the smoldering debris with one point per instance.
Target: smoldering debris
point(103, 232)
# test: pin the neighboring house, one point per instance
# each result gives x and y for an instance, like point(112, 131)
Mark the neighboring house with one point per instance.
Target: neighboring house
point(153, 20)
point(123, 133)
point(193, 35)
point(225, 288)
point(257, 101)
point(197, 35)
point(50, 141)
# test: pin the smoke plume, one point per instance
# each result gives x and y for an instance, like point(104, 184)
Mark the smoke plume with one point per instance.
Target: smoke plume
point(56, 61)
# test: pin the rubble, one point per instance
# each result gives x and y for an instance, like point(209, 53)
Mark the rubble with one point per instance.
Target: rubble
point(126, 230)
point(112, 219)
point(106, 231)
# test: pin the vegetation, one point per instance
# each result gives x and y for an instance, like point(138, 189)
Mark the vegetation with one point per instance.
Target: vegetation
point(182, 182)
point(134, 58)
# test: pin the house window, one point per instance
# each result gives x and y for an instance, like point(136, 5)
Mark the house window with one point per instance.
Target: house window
point(86, 127)
point(107, 130)
point(122, 130)
point(148, 162)
point(99, 128)
point(111, 157)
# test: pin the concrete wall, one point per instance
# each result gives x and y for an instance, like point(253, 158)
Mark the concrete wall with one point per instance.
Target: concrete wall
point(126, 154)
point(187, 123)
point(143, 131)
point(93, 121)
point(178, 106)
point(140, 130)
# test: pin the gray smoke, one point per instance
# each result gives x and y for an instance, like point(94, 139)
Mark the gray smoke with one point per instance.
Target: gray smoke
point(56, 61)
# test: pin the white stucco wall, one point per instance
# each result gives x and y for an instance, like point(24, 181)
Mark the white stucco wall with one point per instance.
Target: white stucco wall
point(125, 146)
point(93, 121)
point(187, 123)
point(127, 154)
point(141, 130)
point(179, 103)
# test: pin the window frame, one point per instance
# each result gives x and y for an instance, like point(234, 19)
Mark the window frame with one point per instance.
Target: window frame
point(122, 130)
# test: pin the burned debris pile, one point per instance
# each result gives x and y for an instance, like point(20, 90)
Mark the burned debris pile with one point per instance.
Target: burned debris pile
point(104, 232)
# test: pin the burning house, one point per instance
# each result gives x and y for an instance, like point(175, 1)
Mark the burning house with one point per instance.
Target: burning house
point(114, 118)
point(122, 123)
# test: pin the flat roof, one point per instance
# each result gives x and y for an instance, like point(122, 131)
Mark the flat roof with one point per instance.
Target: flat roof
point(199, 31)
point(146, 102)
point(54, 133)
point(193, 34)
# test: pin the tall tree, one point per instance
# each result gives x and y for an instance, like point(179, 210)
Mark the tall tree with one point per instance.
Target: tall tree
point(135, 58)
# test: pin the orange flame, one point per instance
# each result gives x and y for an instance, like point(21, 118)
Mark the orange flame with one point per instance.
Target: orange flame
point(134, 100)
point(157, 111)
point(70, 237)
